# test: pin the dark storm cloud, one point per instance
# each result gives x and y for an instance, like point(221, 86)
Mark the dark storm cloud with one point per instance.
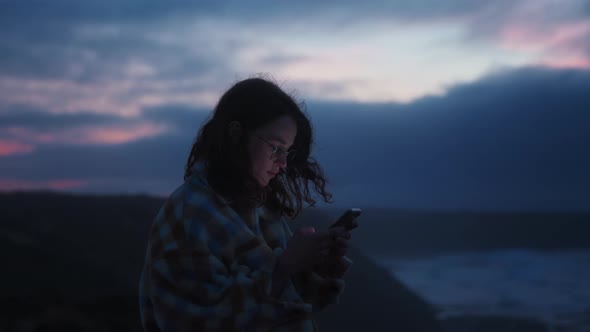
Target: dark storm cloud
point(514, 139)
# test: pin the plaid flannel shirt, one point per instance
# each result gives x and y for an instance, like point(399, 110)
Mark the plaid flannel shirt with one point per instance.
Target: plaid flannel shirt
point(208, 269)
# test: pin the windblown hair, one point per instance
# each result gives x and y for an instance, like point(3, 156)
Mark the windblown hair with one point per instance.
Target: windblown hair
point(253, 103)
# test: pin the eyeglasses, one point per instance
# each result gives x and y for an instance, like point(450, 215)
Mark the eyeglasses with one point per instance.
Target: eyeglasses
point(278, 153)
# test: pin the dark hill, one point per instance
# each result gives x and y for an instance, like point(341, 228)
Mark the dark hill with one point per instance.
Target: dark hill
point(74, 263)
point(399, 232)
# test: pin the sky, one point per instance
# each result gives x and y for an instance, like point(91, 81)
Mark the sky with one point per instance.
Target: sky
point(477, 105)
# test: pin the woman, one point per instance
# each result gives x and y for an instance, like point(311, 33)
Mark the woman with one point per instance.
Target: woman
point(220, 254)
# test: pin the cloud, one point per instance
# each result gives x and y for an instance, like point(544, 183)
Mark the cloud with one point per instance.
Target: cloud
point(104, 11)
point(39, 119)
point(57, 32)
point(58, 185)
point(110, 66)
point(108, 57)
point(94, 157)
point(150, 10)
point(512, 140)
point(11, 147)
point(556, 32)
point(119, 58)
point(113, 93)
point(92, 162)
point(336, 13)
point(185, 119)
point(24, 129)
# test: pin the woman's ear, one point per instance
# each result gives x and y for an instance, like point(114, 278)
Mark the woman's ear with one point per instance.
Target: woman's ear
point(235, 131)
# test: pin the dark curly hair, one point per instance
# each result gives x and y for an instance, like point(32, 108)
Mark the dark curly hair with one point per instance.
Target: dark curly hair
point(253, 103)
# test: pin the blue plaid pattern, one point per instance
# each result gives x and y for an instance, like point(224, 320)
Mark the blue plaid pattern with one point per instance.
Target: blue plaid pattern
point(207, 270)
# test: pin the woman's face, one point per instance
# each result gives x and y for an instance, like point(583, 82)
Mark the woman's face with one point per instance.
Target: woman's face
point(280, 134)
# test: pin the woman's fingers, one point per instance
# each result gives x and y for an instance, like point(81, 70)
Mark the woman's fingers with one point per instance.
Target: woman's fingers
point(341, 242)
point(324, 252)
point(322, 236)
point(334, 240)
point(307, 230)
point(337, 231)
point(340, 245)
point(325, 243)
point(339, 252)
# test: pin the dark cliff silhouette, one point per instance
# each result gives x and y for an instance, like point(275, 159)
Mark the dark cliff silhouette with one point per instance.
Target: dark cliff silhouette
point(73, 261)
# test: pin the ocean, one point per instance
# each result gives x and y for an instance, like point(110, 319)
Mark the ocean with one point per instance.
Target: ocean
point(550, 286)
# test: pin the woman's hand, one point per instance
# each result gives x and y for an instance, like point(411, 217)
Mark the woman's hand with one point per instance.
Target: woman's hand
point(334, 265)
point(340, 245)
point(304, 249)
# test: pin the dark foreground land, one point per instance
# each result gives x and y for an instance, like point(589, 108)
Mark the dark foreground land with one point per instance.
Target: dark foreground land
point(71, 263)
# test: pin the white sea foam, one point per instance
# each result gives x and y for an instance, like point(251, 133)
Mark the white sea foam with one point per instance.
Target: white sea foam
point(553, 287)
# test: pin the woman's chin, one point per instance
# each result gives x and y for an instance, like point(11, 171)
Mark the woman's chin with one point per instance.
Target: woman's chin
point(268, 181)
point(263, 182)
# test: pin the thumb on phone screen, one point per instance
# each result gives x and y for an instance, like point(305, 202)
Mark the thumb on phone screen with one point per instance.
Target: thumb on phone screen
point(308, 230)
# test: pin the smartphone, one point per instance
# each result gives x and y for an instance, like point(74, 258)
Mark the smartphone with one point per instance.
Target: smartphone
point(348, 219)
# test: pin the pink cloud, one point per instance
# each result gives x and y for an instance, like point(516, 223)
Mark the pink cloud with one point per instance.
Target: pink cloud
point(60, 184)
point(10, 147)
point(568, 62)
point(531, 36)
point(563, 45)
point(86, 135)
point(124, 97)
point(114, 135)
